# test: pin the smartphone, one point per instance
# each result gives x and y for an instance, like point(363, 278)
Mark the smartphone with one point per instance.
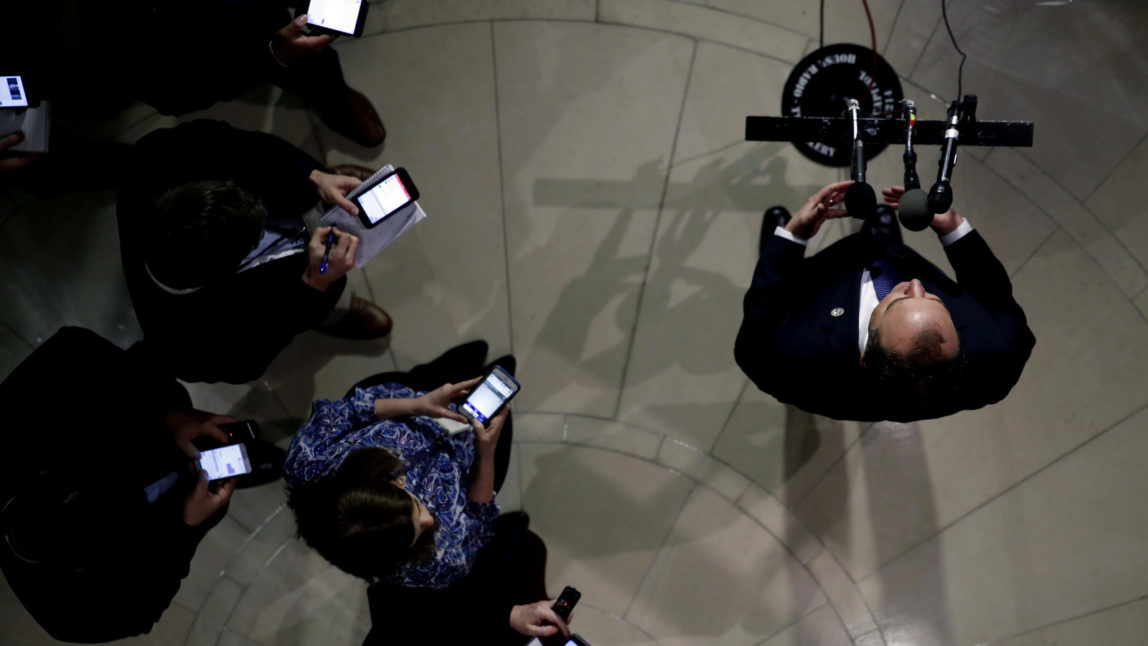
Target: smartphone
point(576, 640)
point(12, 93)
point(566, 602)
point(338, 16)
point(382, 199)
point(491, 394)
point(225, 462)
point(240, 431)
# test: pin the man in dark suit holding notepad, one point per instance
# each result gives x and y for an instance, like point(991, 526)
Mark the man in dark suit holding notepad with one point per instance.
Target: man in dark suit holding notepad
point(220, 267)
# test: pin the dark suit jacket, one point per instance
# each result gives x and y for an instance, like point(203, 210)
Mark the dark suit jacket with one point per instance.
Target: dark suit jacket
point(79, 410)
point(229, 332)
point(794, 349)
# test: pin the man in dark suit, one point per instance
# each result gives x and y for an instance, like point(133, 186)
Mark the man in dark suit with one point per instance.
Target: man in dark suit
point(219, 265)
point(869, 330)
point(101, 508)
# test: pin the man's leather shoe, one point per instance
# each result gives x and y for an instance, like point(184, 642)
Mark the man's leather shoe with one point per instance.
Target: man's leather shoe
point(775, 216)
point(353, 116)
point(364, 320)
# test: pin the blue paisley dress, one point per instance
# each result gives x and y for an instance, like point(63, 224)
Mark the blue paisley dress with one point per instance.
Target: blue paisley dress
point(437, 471)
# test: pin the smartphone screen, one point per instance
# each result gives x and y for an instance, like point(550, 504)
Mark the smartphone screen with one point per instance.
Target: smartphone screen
point(493, 392)
point(225, 462)
point(339, 15)
point(12, 94)
point(384, 198)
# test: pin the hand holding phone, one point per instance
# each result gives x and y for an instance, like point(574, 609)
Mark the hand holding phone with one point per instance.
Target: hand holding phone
point(385, 197)
point(562, 607)
point(225, 462)
point(494, 392)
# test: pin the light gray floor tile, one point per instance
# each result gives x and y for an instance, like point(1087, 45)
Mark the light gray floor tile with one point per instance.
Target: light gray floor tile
point(1141, 302)
point(13, 350)
point(1020, 76)
point(704, 23)
point(1043, 551)
point(751, 585)
point(215, 551)
point(589, 117)
point(444, 281)
point(1084, 228)
point(55, 279)
point(599, 627)
point(1124, 625)
point(780, 522)
point(821, 627)
point(844, 21)
point(301, 599)
point(700, 466)
point(782, 448)
point(539, 427)
point(623, 438)
point(404, 14)
point(209, 622)
point(1119, 203)
point(603, 517)
point(173, 628)
point(877, 502)
point(843, 594)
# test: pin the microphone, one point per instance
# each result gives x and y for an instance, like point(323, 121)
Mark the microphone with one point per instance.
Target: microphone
point(941, 195)
point(913, 207)
point(860, 198)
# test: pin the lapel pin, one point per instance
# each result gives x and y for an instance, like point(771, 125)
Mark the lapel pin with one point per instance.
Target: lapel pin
point(837, 312)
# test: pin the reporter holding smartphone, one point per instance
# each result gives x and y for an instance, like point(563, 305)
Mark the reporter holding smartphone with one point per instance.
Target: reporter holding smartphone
point(103, 508)
point(385, 492)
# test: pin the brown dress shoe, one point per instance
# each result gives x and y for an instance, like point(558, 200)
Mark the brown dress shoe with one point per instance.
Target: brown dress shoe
point(364, 320)
point(353, 116)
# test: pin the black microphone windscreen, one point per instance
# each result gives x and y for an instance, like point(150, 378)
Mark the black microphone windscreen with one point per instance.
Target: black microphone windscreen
point(860, 200)
point(913, 210)
point(940, 197)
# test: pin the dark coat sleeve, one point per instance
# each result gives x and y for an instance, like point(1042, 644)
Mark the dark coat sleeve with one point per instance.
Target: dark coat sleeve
point(766, 305)
point(1000, 343)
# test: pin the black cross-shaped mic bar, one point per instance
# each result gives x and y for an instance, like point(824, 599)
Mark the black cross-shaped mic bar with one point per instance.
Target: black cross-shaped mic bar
point(891, 131)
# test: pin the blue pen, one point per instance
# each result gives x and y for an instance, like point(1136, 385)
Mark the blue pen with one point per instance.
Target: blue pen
point(327, 253)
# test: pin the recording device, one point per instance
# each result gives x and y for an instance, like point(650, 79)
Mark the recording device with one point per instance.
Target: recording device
point(346, 17)
point(385, 197)
point(12, 93)
point(566, 602)
point(576, 640)
point(860, 199)
point(562, 607)
point(486, 400)
point(913, 206)
point(941, 195)
point(240, 431)
point(225, 462)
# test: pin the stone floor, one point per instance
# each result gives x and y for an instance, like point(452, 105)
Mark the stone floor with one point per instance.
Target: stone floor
point(594, 208)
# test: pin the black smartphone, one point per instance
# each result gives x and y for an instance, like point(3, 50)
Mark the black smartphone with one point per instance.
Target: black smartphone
point(225, 462)
point(240, 431)
point(576, 640)
point(566, 602)
point(344, 17)
point(386, 196)
point(491, 394)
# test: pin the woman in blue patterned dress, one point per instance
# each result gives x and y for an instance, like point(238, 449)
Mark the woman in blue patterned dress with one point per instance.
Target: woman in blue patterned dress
point(382, 490)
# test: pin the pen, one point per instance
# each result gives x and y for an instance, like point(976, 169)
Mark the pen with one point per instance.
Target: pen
point(327, 253)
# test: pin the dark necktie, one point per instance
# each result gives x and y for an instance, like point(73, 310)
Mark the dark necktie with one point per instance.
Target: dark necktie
point(884, 277)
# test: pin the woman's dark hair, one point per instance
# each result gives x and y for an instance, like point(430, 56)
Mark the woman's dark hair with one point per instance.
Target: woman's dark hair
point(201, 232)
point(358, 518)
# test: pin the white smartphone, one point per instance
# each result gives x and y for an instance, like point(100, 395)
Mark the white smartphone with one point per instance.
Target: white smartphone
point(12, 93)
point(338, 16)
point(491, 394)
point(225, 462)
